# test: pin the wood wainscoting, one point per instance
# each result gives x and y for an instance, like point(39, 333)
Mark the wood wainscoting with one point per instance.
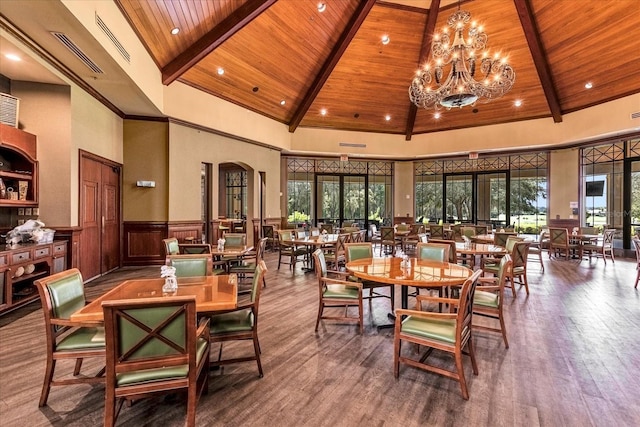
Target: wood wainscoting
point(143, 240)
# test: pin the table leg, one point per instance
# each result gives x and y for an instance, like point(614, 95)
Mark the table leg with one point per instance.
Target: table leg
point(404, 298)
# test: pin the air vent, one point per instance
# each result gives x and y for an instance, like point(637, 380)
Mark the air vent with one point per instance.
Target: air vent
point(635, 115)
point(65, 40)
point(351, 144)
point(100, 23)
point(9, 110)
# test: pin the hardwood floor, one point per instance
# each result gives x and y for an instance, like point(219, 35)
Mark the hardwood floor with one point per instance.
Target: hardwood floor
point(574, 360)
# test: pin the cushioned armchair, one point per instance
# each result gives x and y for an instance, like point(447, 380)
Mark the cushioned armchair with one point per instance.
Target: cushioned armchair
point(489, 298)
point(436, 231)
point(235, 240)
point(171, 246)
point(193, 265)
point(153, 347)
point(248, 263)
point(240, 324)
point(448, 332)
point(518, 273)
point(433, 251)
point(336, 292)
point(291, 253)
point(334, 254)
point(62, 294)
point(355, 251)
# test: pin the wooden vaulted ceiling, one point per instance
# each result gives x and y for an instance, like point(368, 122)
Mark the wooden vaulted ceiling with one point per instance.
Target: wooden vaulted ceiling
point(335, 60)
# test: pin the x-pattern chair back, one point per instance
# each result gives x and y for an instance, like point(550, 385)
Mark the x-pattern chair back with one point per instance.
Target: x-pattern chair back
point(559, 236)
point(436, 231)
point(608, 237)
point(519, 254)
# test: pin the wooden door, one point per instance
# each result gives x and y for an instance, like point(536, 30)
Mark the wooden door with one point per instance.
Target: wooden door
point(100, 216)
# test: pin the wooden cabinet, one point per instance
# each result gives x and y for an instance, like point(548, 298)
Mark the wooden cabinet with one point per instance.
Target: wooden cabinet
point(21, 264)
point(19, 168)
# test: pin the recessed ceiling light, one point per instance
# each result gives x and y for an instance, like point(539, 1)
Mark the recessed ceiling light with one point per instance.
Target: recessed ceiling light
point(589, 85)
point(517, 102)
point(283, 102)
point(13, 57)
point(323, 112)
point(436, 116)
point(385, 39)
point(322, 7)
point(175, 30)
point(220, 71)
point(387, 117)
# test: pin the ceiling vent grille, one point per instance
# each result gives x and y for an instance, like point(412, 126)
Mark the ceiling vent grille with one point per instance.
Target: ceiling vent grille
point(100, 23)
point(635, 115)
point(351, 144)
point(9, 110)
point(69, 44)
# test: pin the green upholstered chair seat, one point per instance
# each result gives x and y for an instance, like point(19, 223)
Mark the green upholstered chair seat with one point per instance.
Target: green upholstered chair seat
point(486, 299)
point(443, 330)
point(161, 374)
point(82, 339)
point(235, 321)
point(340, 291)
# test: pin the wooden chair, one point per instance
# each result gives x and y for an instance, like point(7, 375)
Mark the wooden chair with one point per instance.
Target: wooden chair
point(500, 238)
point(374, 235)
point(519, 254)
point(335, 253)
point(62, 294)
point(288, 250)
point(436, 231)
point(268, 232)
point(355, 251)
point(636, 245)
point(153, 347)
point(449, 332)
point(335, 293)
point(235, 240)
point(171, 246)
point(433, 251)
point(536, 248)
point(480, 229)
point(456, 232)
point(387, 240)
point(468, 231)
point(601, 248)
point(489, 298)
point(248, 263)
point(240, 324)
point(327, 227)
point(559, 242)
point(194, 248)
point(191, 265)
point(453, 255)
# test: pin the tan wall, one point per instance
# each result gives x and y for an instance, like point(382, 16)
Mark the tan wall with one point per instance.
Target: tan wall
point(45, 111)
point(189, 148)
point(564, 182)
point(403, 187)
point(146, 158)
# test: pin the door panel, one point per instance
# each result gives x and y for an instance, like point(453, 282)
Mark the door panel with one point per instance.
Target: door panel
point(111, 214)
point(91, 219)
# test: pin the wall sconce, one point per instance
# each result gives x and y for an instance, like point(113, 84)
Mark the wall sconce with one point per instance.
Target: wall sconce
point(146, 184)
point(408, 196)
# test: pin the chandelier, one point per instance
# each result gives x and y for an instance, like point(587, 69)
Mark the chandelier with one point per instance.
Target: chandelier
point(459, 89)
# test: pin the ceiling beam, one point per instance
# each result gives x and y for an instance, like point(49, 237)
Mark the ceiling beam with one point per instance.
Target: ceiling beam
point(425, 50)
point(347, 35)
point(214, 38)
point(527, 20)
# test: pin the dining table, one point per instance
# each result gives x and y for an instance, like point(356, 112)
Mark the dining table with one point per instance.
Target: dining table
point(312, 243)
point(471, 250)
point(409, 272)
point(213, 293)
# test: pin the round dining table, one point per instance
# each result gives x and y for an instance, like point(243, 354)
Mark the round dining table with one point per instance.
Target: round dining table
point(412, 272)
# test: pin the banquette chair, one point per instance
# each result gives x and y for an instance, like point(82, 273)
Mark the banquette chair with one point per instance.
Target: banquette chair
point(336, 292)
point(489, 298)
point(61, 295)
point(154, 347)
point(240, 324)
point(448, 332)
point(356, 251)
point(190, 265)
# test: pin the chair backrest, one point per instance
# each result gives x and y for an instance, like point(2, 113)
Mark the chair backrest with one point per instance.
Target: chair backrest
point(403, 227)
point(171, 246)
point(480, 229)
point(258, 276)
point(373, 229)
point(608, 236)
point(500, 238)
point(468, 231)
point(520, 253)
point(235, 240)
point(285, 235)
point(195, 248)
point(191, 265)
point(511, 242)
point(589, 230)
point(143, 336)
point(320, 264)
point(387, 234)
point(504, 270)
point(433, 251)
point(456, 231)
point(416, 228)
point(355, 251)
point(267, 231)
point(262, 244)
point(453, 255)
point(422, 237)
point(61, 294)
point(327, 227)
point(436, 231)
point(315, 231)
point(465, 307)
point(559, 237)
point(636, 245)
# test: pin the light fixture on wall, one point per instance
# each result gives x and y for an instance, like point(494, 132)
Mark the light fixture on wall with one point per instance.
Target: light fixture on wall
point(429, 88)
